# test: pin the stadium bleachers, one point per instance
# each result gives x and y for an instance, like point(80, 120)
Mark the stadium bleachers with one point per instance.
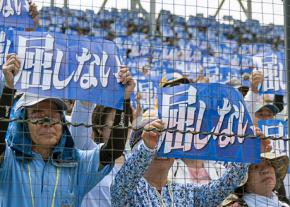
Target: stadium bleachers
point(196, 44)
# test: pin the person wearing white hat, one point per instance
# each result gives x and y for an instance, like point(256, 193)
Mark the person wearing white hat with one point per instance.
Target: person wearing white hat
point(40, 165)
point(258, 108)
point(263, 110)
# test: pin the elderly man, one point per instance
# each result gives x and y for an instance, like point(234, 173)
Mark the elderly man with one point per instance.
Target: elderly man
point(39, 164)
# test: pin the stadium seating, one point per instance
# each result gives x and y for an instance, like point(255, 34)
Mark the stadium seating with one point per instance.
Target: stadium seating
point(194, 44)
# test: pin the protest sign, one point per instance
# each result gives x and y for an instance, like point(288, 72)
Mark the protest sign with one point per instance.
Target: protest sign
point(272, 66)
point(276, 129)
point(148, 92)
point(188, 68)
point(6, 37)
point(69, 67)
point(15, 13)
point(218, 118)
point(225, 75)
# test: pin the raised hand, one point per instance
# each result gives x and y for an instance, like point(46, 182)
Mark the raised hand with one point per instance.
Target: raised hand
point(34, 14)
point(150, 138)
point(256, 78)
point(126, 79)
point(10, 69)
point(265, 143)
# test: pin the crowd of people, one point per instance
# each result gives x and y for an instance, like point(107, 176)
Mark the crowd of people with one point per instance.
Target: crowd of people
point(110, 159)
point(60, 166)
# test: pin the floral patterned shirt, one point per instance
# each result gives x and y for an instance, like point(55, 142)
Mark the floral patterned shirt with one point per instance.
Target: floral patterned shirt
point(131, 189)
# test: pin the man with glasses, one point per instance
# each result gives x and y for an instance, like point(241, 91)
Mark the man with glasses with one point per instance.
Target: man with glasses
point(39, 164)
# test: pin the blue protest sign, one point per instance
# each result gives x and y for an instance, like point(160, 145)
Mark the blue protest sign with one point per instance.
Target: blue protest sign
point(196, 56)
point(246, 63)
point(212, 112)
point(188, 68)
point(223, 74)
point(70, 67)
point(148, 92)
point(6, 37)
point(272, 66)
point(275, 129)
point(15, 13)
point(208, 61)
point(230, 75)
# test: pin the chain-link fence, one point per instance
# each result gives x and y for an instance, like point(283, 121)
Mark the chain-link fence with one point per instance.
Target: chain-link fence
point(144, 103)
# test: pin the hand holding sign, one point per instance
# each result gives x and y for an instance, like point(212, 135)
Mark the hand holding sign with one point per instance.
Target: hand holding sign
point(278, 131)
point(151, 133)
point(274, 72)
point(126, 79)
point(70, 67)
point(265, 143)
point(210, 122)
point(10, 69)
point(256, 79)
point(34, 14)
point(33, 10)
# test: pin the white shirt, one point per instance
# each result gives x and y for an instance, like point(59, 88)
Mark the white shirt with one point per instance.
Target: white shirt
point(100, 195)
point(254, 200)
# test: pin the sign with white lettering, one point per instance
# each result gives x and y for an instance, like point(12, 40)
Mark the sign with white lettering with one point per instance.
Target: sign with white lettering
point(215, 120)
point(70, 67)
point(272, 66)
point(147, 90)
point(223, 74)
point(15, 13)
point(5, 43)
point(277, 130)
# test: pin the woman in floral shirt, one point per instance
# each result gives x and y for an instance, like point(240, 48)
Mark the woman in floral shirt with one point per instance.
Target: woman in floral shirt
point(142, 181)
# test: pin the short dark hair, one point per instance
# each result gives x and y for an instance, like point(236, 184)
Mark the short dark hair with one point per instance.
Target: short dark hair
point(99, 118)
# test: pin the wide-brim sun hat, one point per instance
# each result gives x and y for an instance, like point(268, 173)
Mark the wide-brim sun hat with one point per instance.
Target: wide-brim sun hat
point(279, 162)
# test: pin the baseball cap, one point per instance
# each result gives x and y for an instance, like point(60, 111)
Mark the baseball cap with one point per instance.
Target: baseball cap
point(30, 99)
point(274, 109)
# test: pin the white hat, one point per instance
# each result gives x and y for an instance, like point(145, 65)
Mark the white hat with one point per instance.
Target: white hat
point(274, 109)
point(29, 99)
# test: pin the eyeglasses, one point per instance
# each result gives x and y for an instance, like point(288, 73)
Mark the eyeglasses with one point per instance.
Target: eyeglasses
point(44, 116)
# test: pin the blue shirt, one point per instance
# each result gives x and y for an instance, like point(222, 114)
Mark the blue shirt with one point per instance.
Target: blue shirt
point(36, 183)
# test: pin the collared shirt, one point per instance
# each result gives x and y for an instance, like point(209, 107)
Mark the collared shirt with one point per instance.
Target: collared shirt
point(253, 200)
point(180, 172)
point(131, 189)
point(35, 183)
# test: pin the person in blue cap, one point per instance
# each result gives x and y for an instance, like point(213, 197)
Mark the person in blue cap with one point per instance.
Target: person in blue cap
point(40, 165)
